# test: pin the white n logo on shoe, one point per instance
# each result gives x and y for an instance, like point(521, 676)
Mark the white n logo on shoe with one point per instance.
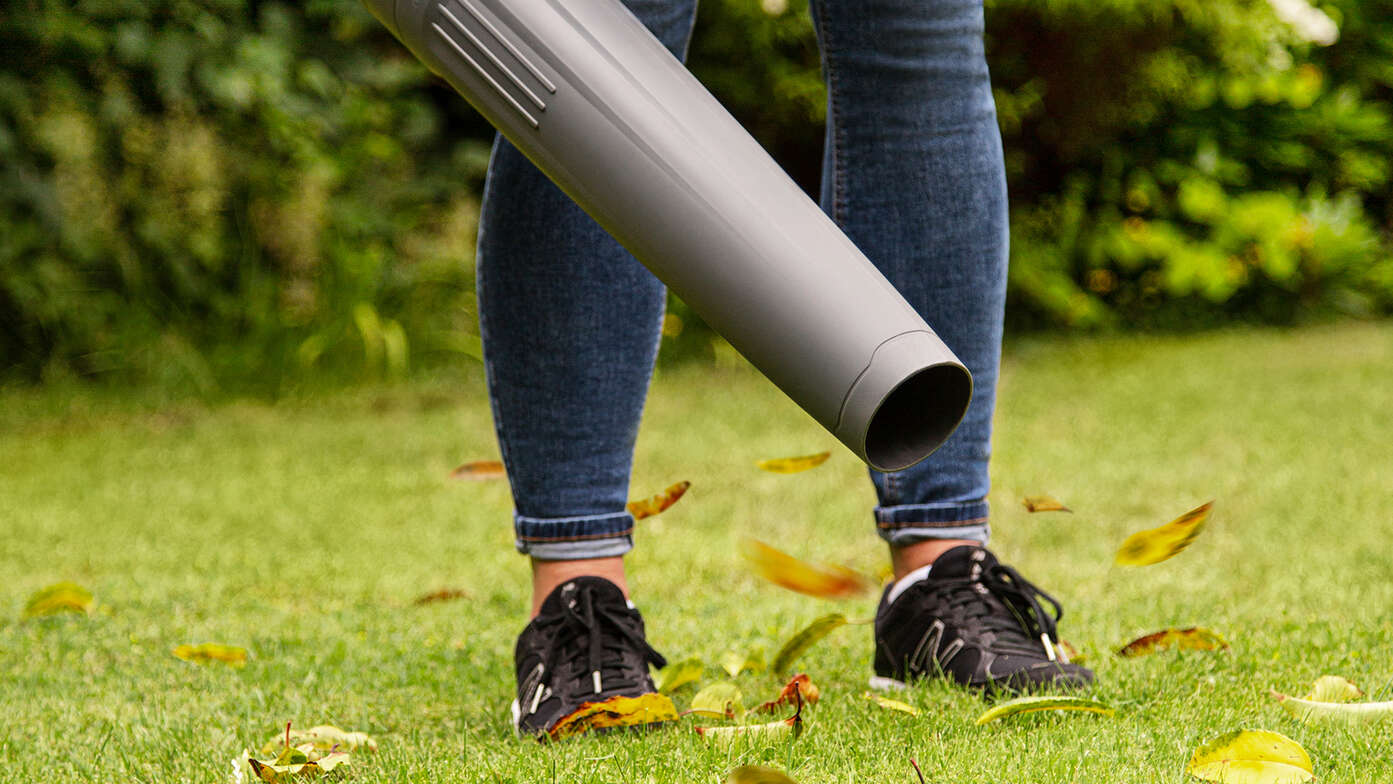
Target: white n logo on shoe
point(928, 650)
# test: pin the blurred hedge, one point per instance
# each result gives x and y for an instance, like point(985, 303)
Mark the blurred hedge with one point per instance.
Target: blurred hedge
point(240, 195)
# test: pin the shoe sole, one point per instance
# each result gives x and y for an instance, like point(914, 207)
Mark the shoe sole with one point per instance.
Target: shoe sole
point(881, 683)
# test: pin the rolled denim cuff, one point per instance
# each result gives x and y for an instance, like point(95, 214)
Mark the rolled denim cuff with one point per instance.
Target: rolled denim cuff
point(910, 523)
point(574, 538)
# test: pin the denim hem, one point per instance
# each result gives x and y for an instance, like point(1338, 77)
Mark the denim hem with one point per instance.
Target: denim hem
point(607, 547)
point(910, 523)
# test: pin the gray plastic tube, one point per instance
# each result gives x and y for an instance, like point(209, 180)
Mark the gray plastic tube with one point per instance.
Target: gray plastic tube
point(605, 111)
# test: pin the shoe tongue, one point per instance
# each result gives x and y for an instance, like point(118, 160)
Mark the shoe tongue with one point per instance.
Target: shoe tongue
point(602, 592)
point(962, 562)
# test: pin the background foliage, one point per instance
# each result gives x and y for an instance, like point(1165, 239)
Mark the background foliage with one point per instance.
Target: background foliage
point(243, 195)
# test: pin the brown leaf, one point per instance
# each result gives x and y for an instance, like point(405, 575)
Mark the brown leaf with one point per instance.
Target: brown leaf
point(1044, 503)
point(1194, 638)
point(1157, 544)
point(827, 582)
point(480, 471)
point(793, 465)
point(791, 727)
point(647, 507)
point(442, 595)
point(800, 688)
point(651, 708)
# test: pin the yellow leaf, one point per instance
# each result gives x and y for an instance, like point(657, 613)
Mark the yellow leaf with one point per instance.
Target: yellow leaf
point(1157, 544)
point(758, 774)
point(213, 652)
point(659, 503)
point(793, 465)
point(1044, 503)
point(1251, 757)
point(782, 569)
point(1194, 638)
point(1042, 703)
point(1333, 688)
point(804, 640)
point(64, 597)
point(651, 708)
point(735, 663)
point(889, 704)
point(1352, 713)
point(479, 471)
point(679, 674)
point(718, 701)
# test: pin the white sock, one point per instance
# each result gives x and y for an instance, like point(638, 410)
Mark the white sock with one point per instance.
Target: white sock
point(906, 581)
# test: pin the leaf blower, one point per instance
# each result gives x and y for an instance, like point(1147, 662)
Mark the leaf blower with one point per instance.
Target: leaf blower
point(604, 110)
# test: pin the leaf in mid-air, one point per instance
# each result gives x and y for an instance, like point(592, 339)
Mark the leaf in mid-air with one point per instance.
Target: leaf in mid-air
point(1196, 638)
point(718, 701)
point(1042, 703)
point(651, 708)
point(736, 663)
point(1157, 544)
point(442, 595)
point(889, 704)
point(1251, 757)
point(679, 674)
point(647, 507)
point(804, 640)
point(64, 597)
point(799, 688)
point(1353, 713)
point(480, 471)
point(782, 569)
point(793, 465)
point(1044, 503)
point(758, 774)
point(1333, 688)
point(212, 652)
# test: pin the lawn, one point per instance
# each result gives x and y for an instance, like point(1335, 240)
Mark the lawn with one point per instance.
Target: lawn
point(303, 531)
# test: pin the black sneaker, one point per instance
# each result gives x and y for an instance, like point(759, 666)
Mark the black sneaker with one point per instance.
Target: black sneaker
point(586, 645)
point(976, 621)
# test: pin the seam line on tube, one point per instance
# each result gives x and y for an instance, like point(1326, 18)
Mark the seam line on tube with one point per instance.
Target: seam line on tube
point(493, 58)
point(841, 410)
point(485, 74)
point(513, 50)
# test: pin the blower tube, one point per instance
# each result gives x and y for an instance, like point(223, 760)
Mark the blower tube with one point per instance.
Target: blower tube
point(603, 109)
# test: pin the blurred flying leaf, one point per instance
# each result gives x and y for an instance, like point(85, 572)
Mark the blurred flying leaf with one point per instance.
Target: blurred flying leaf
point(1251, 757)
point(442, 595)
point(799, 688)
point(1043, 503)
point(1157, 544)
point(804, 640)
point(736, 663)
point(793, 465)
point(1328, 712)
point(1333, 688)
point(1042, 703)
point(679, 674)
point(479, 471)
point(616, 711)
point(758, 774)
point(212, 652)
point(790, 728)
point(718, 701)
point(889, 704)
point(782, 569)
point(1195, 638)
point(64, 597)
point(659, 503)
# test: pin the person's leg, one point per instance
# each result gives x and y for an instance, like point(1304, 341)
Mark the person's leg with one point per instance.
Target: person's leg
point(914, 174)
point(571, 324)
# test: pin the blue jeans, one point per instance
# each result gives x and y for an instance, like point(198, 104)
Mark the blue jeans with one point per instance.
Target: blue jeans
point(912, 173)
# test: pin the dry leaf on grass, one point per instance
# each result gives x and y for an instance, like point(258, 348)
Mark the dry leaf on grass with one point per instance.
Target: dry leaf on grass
point(1196, 638)
point(480, 471)
point(442, 595)
point(789, 728)
point(758, 774)
point(614, 712)
point(889, 704)
point(212, 652)
point(782, 569)
point(1157, 544)
point(1042, 703)
point(736, 663)
point(1044, 503)
point(1333, 688)
point(301, 754)
point(1326, 712)
point(793, 465)
point(718, 701)
point(1251, 757)
point(679, 674)
point(64, 597)
point(657, 504)
point(804, 640)
point(799, 687)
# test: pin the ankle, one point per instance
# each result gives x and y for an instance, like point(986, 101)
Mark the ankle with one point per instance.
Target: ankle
point(547, 575)
point(906, 558)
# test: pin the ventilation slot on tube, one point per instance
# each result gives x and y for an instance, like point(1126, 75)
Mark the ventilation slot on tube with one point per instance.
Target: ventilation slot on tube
point(469, 36)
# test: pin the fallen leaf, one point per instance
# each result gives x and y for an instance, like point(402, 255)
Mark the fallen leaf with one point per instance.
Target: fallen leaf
point(804, 640)
point(276, 772)
point(1333, 688)
point(1043, 503)
point(735, 663)
point(324, 737)
point(302, 754)
point(718, 701)
point(480, 471)
point(1042, 703)
point(793, 465)
point(782, 569)
point(442, 595)
point(213, 652)
point(659, 503)
point(1157, 544)
point(758, 774)
point(1251, 757)
point(1195, 638)
point(799, 687)
point(889, 704)
point(679, 674)
point(64, 597)
point(651, 708)
point(1316, 711)
point(791, 727)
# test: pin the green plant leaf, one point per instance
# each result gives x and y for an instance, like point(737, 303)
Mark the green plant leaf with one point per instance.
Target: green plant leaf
point(1352, 713)
point(1251, 757)
point(679, 674)
point(805, 639)
point(1042, 703)
point(64, 597)
point(736, 663)
point(889, 704)
point(718, 701)
point(1333, 688)
point(758, 774)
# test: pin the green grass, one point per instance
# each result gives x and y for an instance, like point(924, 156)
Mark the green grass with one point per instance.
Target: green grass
point(304, 530)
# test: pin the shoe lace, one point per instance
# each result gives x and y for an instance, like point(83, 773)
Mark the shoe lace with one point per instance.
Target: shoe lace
point(1025, 626)
point(600, 633)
